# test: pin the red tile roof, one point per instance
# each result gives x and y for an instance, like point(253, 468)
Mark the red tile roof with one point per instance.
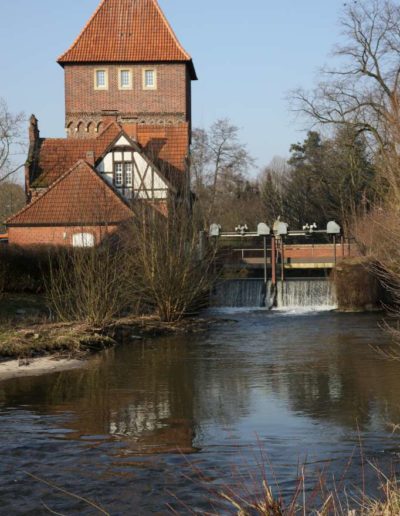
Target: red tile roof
point(166, 147)
point(78, 197)
point(127, 31)
point(57, 155)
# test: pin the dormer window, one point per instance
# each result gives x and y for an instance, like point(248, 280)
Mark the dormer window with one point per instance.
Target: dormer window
point(101, 79)
point(149, 79)
point(125, 79)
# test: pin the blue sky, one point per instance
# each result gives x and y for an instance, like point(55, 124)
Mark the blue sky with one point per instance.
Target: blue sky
point(248, 55)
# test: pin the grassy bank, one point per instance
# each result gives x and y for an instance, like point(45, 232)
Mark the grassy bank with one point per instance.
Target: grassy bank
point(26, 330)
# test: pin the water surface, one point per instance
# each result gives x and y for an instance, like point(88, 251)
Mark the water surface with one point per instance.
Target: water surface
point(170, 421)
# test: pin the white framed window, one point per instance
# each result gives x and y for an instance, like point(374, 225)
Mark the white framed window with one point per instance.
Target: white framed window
point(149, 79)
point(125, 79)
point(119, 174)
point(83, 240)
point(128, 175)
point(101, 79)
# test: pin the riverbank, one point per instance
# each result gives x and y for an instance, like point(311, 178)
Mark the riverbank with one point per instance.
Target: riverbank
point(30, 344)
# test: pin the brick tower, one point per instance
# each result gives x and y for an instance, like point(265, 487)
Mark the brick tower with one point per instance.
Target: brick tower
point(128, 122)
point(127, 65)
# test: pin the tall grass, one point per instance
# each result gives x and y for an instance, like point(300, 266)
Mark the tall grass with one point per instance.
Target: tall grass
point(254, 490)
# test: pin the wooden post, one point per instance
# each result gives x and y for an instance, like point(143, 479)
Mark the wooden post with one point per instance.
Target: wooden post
point(342, 243)
point(282, 270)
point(265, 262)
point(334, 249)
point(273, 261)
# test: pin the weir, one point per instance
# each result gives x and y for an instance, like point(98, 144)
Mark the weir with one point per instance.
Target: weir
point(291, 294)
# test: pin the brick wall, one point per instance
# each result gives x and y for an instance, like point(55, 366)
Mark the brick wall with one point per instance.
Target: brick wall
point(172, 96)
point(57, 236)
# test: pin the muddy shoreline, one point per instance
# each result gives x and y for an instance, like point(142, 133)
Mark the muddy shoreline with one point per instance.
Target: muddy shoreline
point(46, 348)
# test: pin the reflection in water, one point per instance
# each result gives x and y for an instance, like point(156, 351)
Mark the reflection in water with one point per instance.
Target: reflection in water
point(116, 431)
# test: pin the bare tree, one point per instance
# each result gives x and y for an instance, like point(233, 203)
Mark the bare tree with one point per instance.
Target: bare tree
point(87, 284)
point(363, 90)
point(10, 141)
point(167, 267)
point(12, 199)
point(273, 180)
point(219, 163)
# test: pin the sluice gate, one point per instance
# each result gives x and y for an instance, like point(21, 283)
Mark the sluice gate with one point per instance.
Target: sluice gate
point(290, 270)
point(293, 293)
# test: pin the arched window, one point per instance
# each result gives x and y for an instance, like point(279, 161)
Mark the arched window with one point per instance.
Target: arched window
point(99, 127)
point(89, 127)
point(83, 240)
point(79, 127)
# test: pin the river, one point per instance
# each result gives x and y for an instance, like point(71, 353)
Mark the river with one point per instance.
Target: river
point(174, 420)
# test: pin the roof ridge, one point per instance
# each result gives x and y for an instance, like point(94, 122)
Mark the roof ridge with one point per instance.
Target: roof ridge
point(96, 12)
point(170, 29)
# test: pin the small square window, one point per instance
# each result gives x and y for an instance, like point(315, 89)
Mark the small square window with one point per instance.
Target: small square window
point(125, 79)
point(149, 80)
point(101, 80)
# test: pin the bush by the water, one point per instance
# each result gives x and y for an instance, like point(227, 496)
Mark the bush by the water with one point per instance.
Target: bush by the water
point(357, 287)
point(88, 285)
point(168, 269)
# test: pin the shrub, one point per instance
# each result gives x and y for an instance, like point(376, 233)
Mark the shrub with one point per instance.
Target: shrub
point(87, 285)
point(357, 287)
point(168, 270)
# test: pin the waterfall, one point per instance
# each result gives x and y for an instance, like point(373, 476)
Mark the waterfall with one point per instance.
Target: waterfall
point(307, 292)
point(239, 293)
point(294, 293)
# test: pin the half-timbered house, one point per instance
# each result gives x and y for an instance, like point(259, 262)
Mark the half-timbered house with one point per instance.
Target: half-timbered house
point(128, 125)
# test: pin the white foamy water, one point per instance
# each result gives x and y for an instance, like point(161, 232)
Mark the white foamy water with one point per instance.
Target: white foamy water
point(294, 295)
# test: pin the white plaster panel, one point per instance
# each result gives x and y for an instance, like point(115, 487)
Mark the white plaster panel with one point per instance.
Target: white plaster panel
point(108, 163)
point(122, 142)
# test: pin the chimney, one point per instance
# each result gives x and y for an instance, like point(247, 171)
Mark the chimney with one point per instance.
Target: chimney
point(34, 133)
point(30, 165)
